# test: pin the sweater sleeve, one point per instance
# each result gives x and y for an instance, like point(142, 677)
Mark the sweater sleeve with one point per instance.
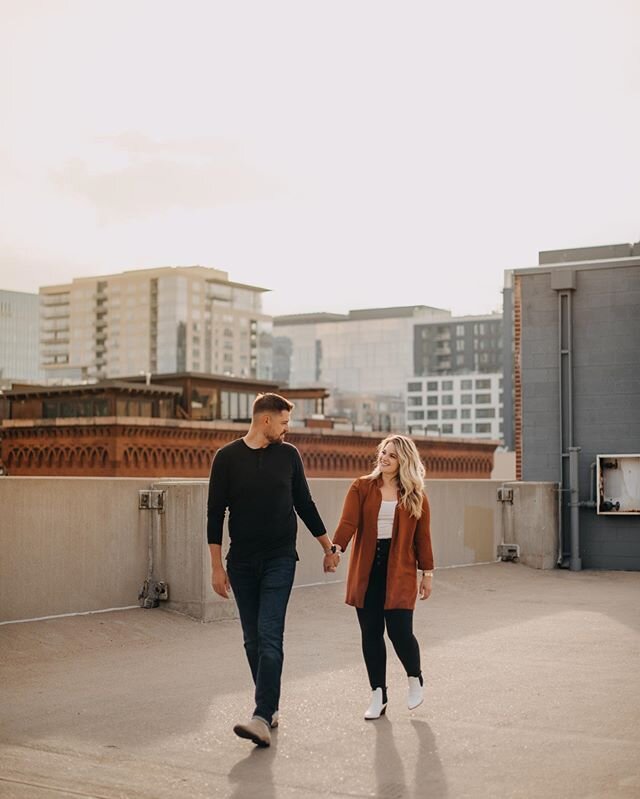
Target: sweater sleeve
point(422, 541)
point(303, 502)
point(350, 518)
point(217, 500)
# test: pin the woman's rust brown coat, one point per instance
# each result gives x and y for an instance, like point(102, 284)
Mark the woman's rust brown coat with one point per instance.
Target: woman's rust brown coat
point(410, 545)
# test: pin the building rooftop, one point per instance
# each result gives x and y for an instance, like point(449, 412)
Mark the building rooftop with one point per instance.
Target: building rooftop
point(355, 315)
point(210, 274)
point(532, 690)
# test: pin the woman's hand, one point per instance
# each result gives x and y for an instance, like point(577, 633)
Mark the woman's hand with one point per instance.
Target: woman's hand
point(425, 586)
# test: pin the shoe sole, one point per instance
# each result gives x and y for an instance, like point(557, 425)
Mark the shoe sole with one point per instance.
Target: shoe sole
point(243, 732)
point(373, 718)
point(413, 707)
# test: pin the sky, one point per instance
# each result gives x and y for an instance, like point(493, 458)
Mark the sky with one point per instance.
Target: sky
point(343, 153)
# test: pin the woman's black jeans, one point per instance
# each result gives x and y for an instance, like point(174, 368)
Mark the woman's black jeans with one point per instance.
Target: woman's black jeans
point(373, 618)
point(262, 590)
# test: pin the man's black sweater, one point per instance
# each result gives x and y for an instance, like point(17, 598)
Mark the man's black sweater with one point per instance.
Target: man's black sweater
point(263, 489)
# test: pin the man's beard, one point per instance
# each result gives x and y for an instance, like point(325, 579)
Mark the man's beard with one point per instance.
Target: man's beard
point(276, 439)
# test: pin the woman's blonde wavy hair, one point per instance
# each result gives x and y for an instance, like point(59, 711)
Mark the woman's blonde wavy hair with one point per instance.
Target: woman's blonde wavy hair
point(410, 473)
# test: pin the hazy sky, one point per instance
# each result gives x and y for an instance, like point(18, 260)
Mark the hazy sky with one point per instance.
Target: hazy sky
point(344, 154)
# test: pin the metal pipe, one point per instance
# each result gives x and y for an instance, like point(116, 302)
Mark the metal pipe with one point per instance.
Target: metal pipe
point(574, 468)
point(561, 436)
point(591, 502)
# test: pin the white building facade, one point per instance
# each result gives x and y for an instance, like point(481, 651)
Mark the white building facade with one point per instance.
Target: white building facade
point(166, 320)
point(467, 405)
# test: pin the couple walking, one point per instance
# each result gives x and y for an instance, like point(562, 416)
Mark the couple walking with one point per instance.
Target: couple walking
point(260, 479)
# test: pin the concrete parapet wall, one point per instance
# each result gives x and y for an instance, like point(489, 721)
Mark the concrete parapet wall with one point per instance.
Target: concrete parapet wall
point(70, 545)
point(531, 521)
point(73, 545)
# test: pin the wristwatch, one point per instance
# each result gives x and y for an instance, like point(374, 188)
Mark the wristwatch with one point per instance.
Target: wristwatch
point(333, 549)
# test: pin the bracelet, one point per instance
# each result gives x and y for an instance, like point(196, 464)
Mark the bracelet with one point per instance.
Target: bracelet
point(427, 574)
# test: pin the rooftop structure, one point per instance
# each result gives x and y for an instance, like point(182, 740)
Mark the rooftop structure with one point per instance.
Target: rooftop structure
point(577, 396)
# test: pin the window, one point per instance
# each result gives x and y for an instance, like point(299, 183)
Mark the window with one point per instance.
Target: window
point(483, 399)
point(432, 414)
point(460, 360)
point(466, 399)
point(459, 330)
point(432, 400)
point(465, 413)
point(414, 387)
point(415, 415)
point(483, 427)
point(466, 427)
point(447, 428)
point(432, 385)
point(447, 399)
point(450, 414)
point(485, 413)
point(460, 345)
point(447, 385)
point(483, 384)
point(414, 400)
point(466, 385)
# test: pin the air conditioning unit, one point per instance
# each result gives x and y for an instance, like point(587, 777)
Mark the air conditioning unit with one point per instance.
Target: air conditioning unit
point(618, 481)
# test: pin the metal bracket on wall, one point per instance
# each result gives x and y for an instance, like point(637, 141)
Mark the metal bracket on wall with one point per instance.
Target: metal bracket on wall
point(509, 552)
point(151, 499)
point(505, 494)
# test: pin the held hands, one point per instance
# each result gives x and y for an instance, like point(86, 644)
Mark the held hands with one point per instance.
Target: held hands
point(331, 561)
point(220, 582)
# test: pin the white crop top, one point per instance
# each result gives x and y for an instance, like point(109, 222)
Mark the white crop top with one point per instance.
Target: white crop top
point(385, 517)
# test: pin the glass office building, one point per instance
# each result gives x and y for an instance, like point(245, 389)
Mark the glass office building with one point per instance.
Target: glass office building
point(19, 337)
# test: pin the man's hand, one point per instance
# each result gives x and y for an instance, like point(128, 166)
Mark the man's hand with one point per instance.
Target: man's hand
point(331, 561)
point(425, 586)
point(220, 582)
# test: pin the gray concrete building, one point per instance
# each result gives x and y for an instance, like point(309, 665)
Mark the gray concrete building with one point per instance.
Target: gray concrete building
point(19, 337)
point(577, 396)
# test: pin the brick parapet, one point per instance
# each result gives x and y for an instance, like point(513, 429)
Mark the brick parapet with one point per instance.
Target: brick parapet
point(112, 447)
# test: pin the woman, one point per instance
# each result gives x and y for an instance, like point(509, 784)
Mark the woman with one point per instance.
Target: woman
point(387, 515)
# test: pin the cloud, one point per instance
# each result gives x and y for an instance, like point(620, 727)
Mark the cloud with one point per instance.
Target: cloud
point(188, 174)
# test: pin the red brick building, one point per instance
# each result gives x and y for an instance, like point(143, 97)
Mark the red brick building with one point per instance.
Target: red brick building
point(173, 429)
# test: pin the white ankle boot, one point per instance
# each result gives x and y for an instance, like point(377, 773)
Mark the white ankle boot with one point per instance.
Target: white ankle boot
point(377, 707)
point(415, 696)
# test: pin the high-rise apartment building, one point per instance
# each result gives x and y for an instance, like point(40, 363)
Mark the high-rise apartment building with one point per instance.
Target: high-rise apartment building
point(170, 319)
point(19, 336)
point(458, 345)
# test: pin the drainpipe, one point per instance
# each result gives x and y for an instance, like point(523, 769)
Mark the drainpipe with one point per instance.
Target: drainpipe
point(563, 281)
point(575, 563)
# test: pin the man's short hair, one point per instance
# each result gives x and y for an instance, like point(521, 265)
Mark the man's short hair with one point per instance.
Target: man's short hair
point(270, 403)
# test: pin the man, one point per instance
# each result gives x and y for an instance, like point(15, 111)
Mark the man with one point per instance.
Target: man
point(261, 480)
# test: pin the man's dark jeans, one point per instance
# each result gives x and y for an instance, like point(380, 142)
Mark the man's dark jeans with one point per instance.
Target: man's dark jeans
point(262, 590)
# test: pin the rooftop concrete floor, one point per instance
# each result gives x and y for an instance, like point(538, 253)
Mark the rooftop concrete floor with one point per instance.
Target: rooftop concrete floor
point(533, 689)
